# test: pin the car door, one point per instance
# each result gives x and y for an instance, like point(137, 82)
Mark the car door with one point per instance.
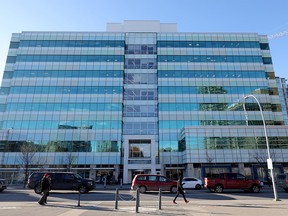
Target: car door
point(164, 183)
point(241, 181)
point(70, 181)
point(56, 181)
point(152, 183)
point(230, 180)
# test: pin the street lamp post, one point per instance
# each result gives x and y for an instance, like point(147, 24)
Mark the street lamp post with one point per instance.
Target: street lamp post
point(269, 160)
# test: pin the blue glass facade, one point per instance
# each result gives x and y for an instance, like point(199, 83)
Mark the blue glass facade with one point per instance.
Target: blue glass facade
point(130, 102)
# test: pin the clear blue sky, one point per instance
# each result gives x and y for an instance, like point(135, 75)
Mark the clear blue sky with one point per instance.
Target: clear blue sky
point(260, 16)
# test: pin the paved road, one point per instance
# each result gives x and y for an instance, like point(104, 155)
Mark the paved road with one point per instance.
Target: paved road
point(17, 201)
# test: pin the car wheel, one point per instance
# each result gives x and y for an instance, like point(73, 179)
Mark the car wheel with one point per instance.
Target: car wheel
point(218, 188)
point(255, 188)
point(198, 187)
point(1, 190)
point(142, 189)
point(83, 189)
point(173, 189)
point(37, 189)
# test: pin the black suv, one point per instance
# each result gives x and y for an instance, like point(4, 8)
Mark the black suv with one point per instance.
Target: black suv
point(62, 181)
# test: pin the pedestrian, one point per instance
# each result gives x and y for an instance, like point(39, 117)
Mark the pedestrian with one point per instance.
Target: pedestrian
point(180, 190)
point(45, 188)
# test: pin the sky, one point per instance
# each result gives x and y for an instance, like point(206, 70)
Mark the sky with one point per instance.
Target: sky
point(266, 17)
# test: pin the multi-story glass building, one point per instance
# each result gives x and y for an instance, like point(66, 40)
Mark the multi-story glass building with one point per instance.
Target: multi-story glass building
point(283, 94)
point(140, 98)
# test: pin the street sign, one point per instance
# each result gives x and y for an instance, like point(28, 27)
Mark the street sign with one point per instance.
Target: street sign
point(269, 164)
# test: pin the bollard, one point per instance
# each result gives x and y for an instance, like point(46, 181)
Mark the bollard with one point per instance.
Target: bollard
point(116, 198)
point(160, 197)
point(121, 182)
point(137, 200)
point(78, 199)
point(105, 183)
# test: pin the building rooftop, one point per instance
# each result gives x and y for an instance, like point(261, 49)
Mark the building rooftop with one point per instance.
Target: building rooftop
point(141, 26)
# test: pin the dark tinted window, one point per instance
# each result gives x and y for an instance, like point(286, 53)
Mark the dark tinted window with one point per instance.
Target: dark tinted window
point(11, 59)
point(239, 176)
point(69, 176)
point(231, 176)
point(37, 175)
point(58, 176)
point(141, 178)
point(14, 45)
point(152, 178)
point(163, 179)
point(264, 46)
point(281, 176)
point(267, 60)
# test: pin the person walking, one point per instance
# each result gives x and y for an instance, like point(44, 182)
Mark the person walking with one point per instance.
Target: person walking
point(45, 187)
point(180, 190)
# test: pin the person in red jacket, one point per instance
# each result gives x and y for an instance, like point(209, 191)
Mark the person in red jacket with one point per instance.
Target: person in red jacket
point(45, 187)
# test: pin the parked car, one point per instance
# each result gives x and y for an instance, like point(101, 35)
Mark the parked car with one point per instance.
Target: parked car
point(62, 181)
point(150, 182)
point(192, 183)
point(232, 181)
point(282, 181)
point(3, 185)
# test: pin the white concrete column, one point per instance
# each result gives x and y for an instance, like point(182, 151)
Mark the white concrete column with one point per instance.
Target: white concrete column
point(241, 168)
point(190, 171)
point(125, 175)
point(92, 173)
point(116, 172)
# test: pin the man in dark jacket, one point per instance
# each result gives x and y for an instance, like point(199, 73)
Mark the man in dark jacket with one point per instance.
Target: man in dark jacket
point(45, 186)
point(180, 190)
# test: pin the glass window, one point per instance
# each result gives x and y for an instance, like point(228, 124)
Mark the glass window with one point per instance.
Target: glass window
point(11, 59)
point(14, 45)
point(267, 60)
point(71, 43)
point(140, 78)
point(264, 46)
point(139, 148)
point(66, 58)
point(140, 49)
point(209, 44)
point(163, 179)
point(152, 178)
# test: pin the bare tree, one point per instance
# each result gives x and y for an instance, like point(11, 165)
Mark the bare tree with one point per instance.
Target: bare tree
point(69, 160)
point(260, 157)
point(26, 159)
point(209, 161)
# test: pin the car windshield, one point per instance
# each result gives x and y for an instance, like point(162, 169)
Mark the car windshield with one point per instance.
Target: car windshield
point(77, 176)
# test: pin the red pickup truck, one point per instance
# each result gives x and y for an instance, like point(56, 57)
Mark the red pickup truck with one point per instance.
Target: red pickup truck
point(231, 181)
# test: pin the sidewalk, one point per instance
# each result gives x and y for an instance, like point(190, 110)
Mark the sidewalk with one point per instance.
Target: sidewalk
point(194, 207)
point(198, 206)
